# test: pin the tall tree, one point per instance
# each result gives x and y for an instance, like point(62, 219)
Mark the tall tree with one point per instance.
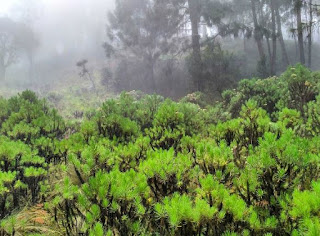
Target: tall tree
point(223, 17)
point(274, 36)
point(298, 5)
point(195, 17)
point(9, 46)
point(15, 38)
point(258, 36)
point(285, 57)
point(28, 12)
point(146, 29)
point(310, 28)
point(29, 45)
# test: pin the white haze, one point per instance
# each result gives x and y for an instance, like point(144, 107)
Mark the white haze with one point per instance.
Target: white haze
point(68, 30)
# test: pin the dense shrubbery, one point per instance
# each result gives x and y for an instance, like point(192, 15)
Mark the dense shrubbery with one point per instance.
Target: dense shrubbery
point(293, 89)
point(249, 165)
point(30, 134)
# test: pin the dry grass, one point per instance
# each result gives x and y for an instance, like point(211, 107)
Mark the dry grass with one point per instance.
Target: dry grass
point(33, 220)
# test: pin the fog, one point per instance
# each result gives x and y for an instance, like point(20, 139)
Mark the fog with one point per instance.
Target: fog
point(170, 47)
point(66, 31)
point(159, 117)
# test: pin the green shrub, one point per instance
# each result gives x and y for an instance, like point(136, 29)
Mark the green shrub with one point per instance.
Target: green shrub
point(248, 165)
point(172, 122)
point(301, 86)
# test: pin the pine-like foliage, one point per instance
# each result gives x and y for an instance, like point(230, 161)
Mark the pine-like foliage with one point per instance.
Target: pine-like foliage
point(249, 165)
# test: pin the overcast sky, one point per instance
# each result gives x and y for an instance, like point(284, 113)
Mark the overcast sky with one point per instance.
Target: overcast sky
point(67, 30)
point(8, 5)
point(62, 25)
point(5, 5)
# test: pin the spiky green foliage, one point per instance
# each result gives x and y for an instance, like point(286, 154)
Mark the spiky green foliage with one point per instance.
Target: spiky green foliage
point(293, 89)
point(150, 166)
point(30, 134)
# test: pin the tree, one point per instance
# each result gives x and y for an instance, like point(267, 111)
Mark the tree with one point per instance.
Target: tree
point(215, 14)
point(15, 38)
point(285, 57)
point(310, 28)
point(274, 37)
point(195, 16)
point(298, 5)
point(30, 45)
point(144, 29)
point(267, 19)
point(258, 35)
point(28, 12)
point(8, 45)
point(85, 73)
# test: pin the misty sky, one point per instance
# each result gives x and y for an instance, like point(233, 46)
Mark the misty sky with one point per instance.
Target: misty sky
point(5, 5)
point(62, 25)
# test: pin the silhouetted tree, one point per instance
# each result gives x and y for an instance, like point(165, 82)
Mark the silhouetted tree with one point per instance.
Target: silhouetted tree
point(8, 45)
point(195, 17)
point(29, 44)
point(144, 29)
point(298, 5)
point(85, 73)
point(15, 38)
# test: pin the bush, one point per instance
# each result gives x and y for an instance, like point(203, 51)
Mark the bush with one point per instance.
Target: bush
point(249, 165)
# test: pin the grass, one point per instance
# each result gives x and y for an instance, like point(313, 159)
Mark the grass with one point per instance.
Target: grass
point(70, 94)
point(31, 221)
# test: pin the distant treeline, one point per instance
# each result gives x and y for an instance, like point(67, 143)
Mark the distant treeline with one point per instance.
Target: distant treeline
point(173, 46)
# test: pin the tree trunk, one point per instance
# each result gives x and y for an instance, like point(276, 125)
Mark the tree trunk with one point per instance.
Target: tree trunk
point(197, 75)
point(285, 58)
point(300, 31)
point(150, 62)
point(310, 34)
point(258, 35)
point(245, 44)
point(2, 70)
point(152, 79)
point(88, 74)
point(257, 31)
point(30, 58)
point(269, 52)
point(274, 39)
